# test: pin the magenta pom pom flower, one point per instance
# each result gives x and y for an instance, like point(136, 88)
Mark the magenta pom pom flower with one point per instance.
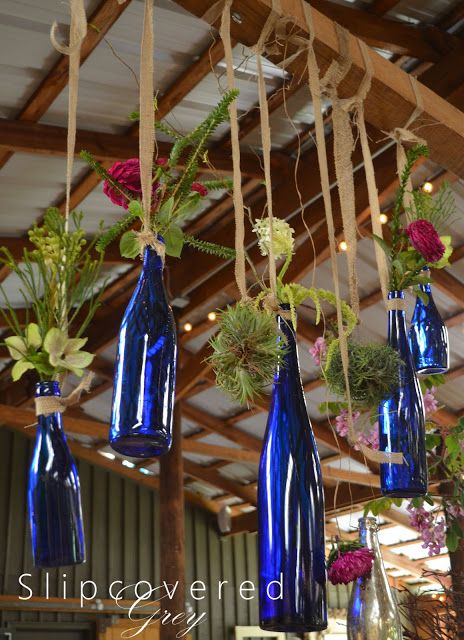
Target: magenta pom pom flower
point(349, 561)
point(424, 238)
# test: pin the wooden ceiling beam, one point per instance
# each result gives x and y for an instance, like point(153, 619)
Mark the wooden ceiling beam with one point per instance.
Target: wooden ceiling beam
point(218, 481)
point(42, 139)
point(424, 42)
point(391, 99)
point(102, 19)
point(381, 7)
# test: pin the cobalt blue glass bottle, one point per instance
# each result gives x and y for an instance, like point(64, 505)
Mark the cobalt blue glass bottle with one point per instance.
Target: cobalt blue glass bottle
point(428, 336)
point(144, 383)
point(54, 493)
point(292, 571)
point(402, 418)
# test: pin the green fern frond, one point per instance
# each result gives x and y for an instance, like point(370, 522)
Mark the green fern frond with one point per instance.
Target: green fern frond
point(213, 249)
point(103, 174)
point(218, 185)
point(115, 231)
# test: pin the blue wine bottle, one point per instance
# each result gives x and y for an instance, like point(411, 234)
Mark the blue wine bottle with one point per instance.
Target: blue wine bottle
point(402, 418)
point(144, 384)
point(54, 493)
point(428, 335)
point(292, 572)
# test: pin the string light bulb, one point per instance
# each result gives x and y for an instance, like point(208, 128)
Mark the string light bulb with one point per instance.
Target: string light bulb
point(383, 218)
point(427, 187)
point(188, 327)
point(343, 246)
point(212, 316)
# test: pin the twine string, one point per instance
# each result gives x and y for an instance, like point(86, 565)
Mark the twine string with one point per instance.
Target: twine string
point(239, 210)
point(46, 405)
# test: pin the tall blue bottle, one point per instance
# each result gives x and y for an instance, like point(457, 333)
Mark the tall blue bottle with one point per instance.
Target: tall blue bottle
point(292, 572)
point(402, 419)
point(144, 384)
point(428, 336)
point(54, 493)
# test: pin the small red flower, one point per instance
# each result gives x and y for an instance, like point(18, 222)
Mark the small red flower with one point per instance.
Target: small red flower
point(424, 238)
point(199, 188)
point(161, 162)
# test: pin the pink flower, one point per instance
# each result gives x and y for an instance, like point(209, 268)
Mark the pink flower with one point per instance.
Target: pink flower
point(433, 533)
point(341, 422)
point(128, 175)
point(350, 566)
point(455, 511)
point(161, 162)
point(424, 238)
point(199, 188)
point(430, 403)
point(319, 351)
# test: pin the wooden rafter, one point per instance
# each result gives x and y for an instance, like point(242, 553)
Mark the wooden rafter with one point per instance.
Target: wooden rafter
point(42, 139)
point(102, 19)
point(391, 99)
point(381, 7)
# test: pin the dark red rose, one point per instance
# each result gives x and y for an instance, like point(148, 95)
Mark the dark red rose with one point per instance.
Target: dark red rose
point(199, 188)
point(161, 162)
point(424, 238)
point(128, 175)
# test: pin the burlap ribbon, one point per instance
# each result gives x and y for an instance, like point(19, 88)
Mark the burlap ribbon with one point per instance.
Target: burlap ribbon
point(239, 209)
point(396, 304)
point(335, 73)
point(46, 405)
point(147, 237)
point(78, 31)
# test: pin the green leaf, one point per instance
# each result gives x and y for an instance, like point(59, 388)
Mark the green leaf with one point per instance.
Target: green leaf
point(164, 214)
point(428, 499)
point(19, 368)
point(452, 540)
point(452, 444)
point(135, 208)
point(421, 295)
point(16, 347)
point(432, 440)
point(129, 245)
point(381, 242)
point(174, 239)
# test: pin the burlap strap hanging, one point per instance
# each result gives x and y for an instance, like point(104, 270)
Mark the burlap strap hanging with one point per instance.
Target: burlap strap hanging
point(334, 75)
point(239, 210)
point(46, 405)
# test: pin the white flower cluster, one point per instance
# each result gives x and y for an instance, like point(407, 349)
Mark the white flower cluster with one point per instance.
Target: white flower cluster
point(282, 237)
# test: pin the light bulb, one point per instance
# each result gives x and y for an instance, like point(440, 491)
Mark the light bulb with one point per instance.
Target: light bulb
point(188, 326)
point(212, 316)
point(343, 246)
point(383, 218)
point(427, 187)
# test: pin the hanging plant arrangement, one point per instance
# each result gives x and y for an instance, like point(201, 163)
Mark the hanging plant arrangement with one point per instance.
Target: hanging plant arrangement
point(246, 351)
point(177, 189)
point(58, 280)
point(144, 386)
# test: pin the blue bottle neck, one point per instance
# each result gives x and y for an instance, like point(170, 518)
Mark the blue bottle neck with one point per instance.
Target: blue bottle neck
point(152, 262)
point(290, 361)
point(426, 288)
point(47, 388)
point(397, 333)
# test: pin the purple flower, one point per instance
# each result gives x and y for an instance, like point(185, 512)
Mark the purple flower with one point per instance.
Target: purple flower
point(350, 566)
point(433, 532)
point(424, 238)
point(319, 351)
point(430, 402)
point(455, 511)
point(341, 422)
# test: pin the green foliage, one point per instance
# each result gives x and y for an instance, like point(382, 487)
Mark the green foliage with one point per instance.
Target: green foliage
point(342, 546)
point(380, 505)
point(406, 263)
point(226, 253)
point(174, 201)
point(373, 372)
point(246, 351)
point(58, 280)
